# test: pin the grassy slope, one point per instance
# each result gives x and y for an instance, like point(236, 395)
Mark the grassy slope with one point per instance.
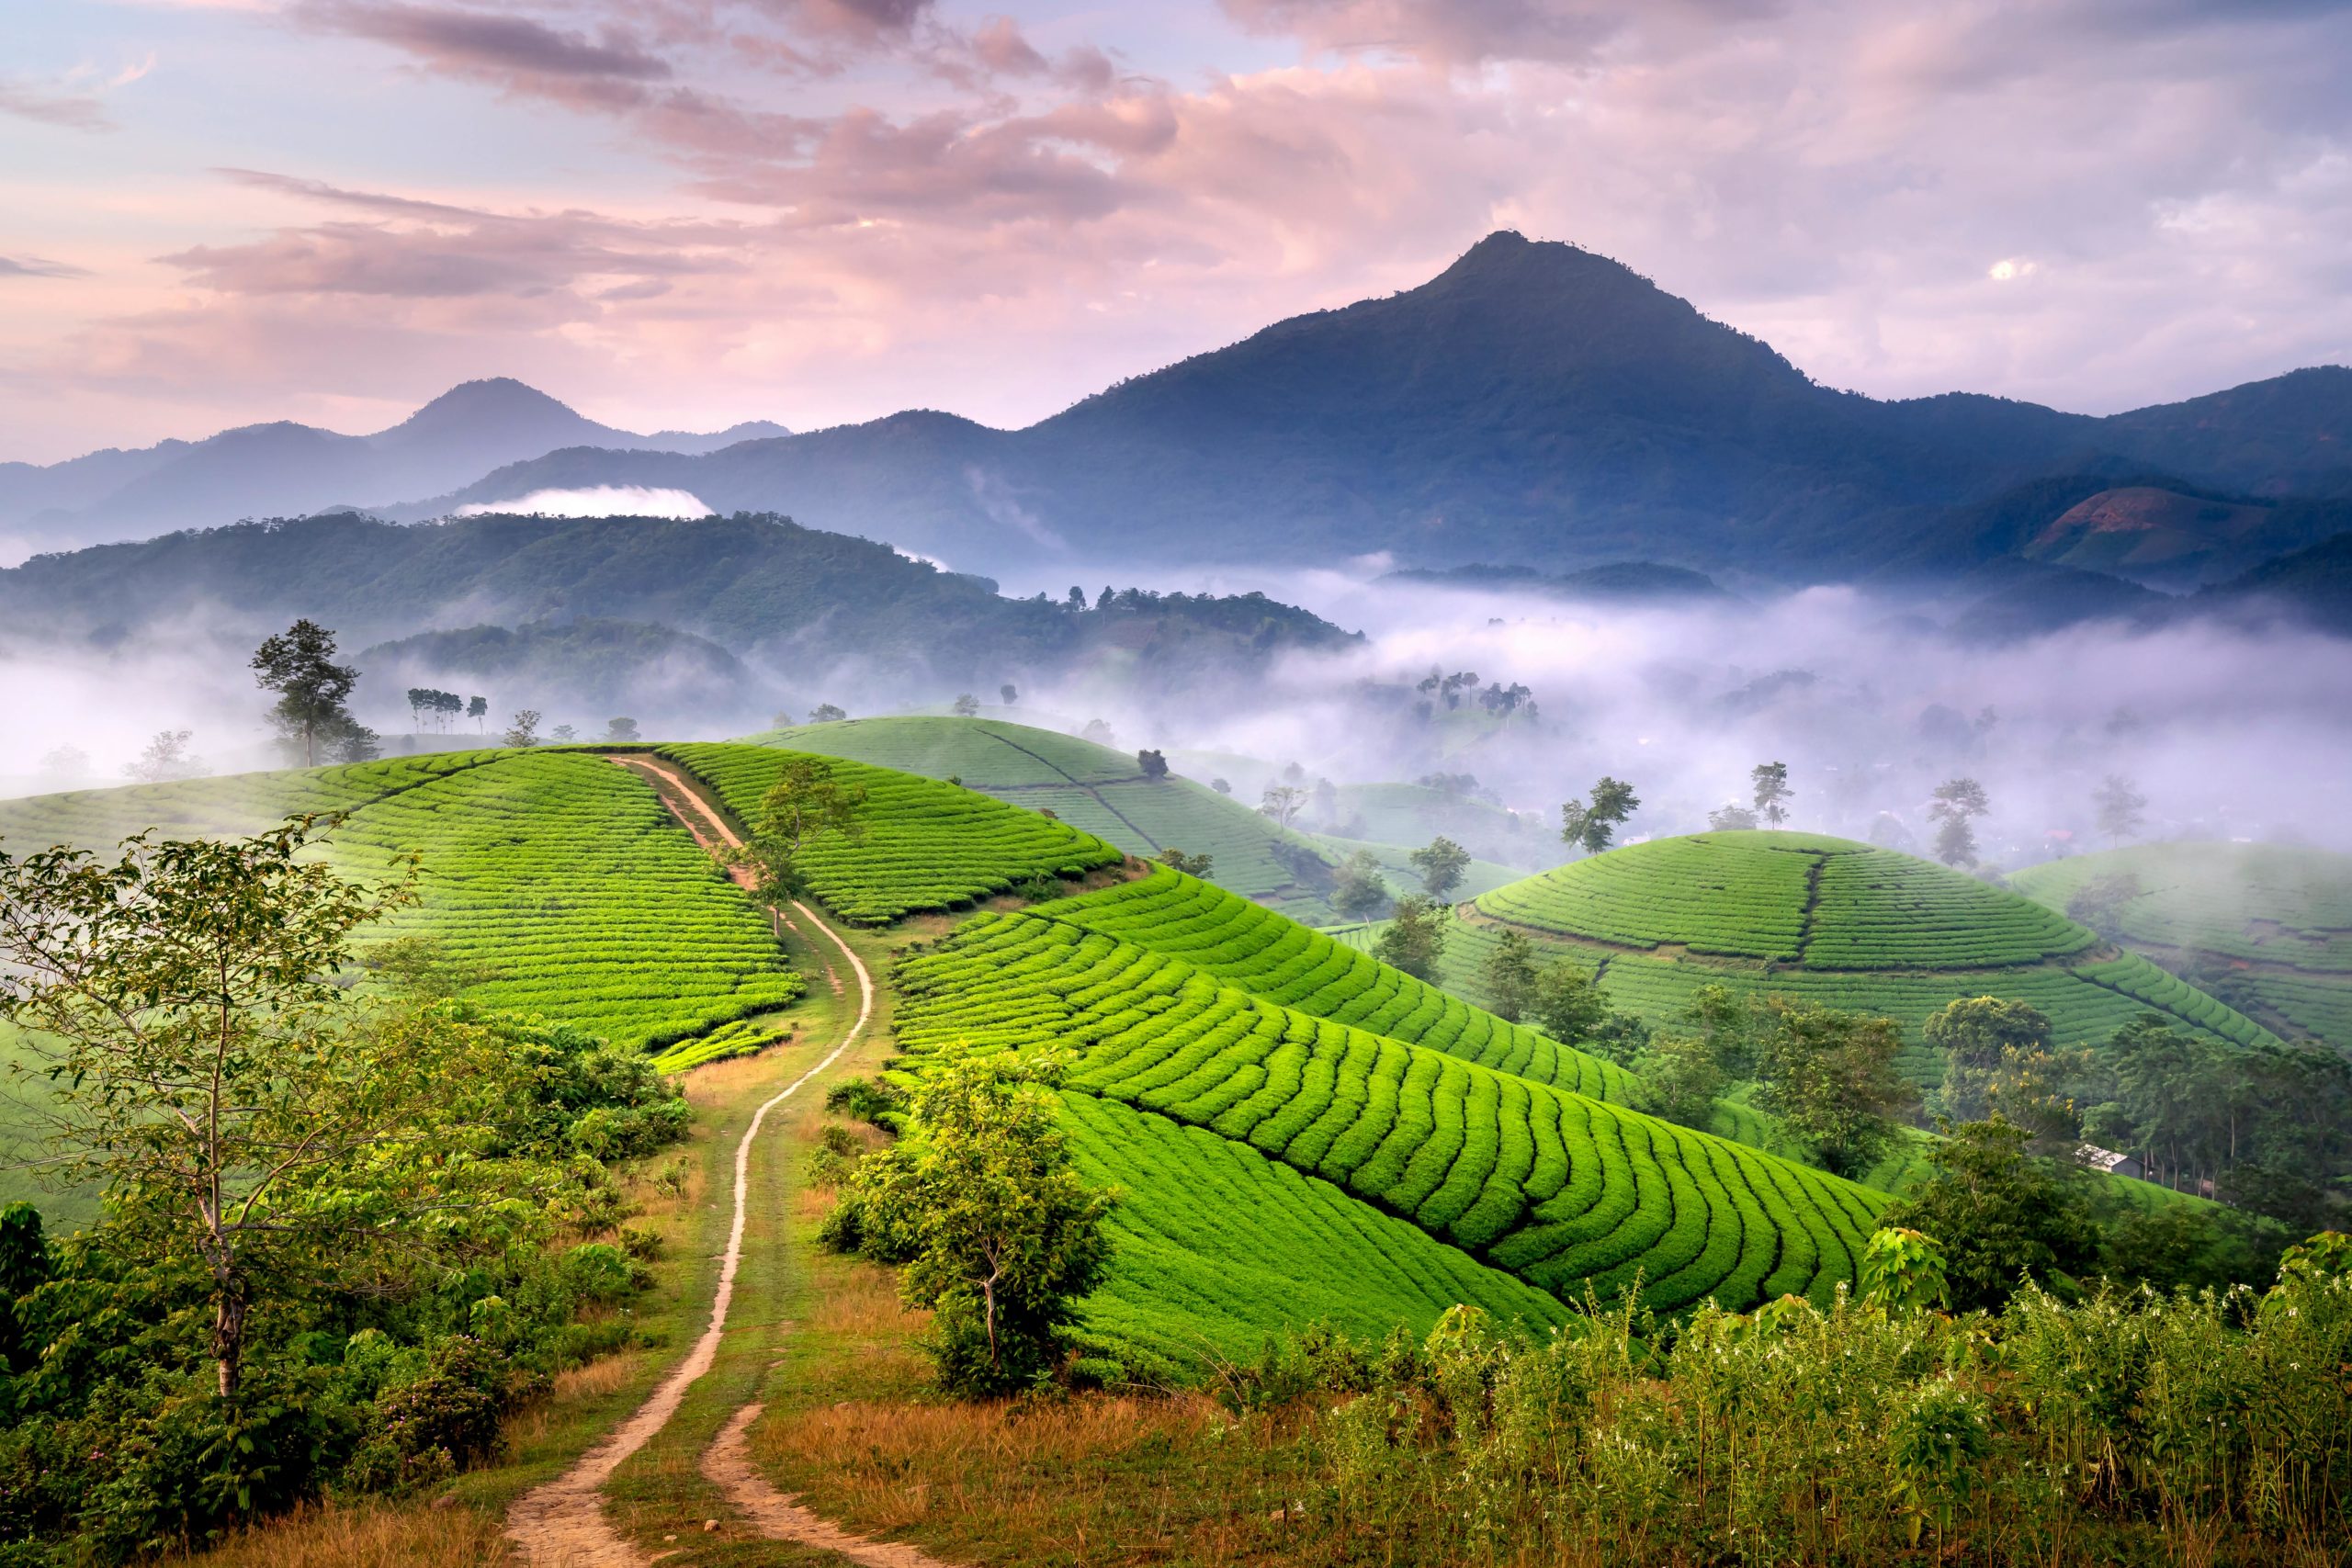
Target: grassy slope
point(1104, 792)
point(1562, 1190)
point(1823, 919)
point(2268, 927)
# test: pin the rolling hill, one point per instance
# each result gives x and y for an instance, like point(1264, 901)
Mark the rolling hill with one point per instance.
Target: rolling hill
point(1105, 792)
point(2267, 926)
point(1830, 920)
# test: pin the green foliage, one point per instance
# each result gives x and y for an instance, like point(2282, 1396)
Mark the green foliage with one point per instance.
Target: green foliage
point(1190, 864)
point(1413, 942)
point(1975, 1034)
point(1685, 1074)
point(1829, 1077)
point(1591, 824)
point(924, 844)
point(298, 665)
point(1441, 863)
point(996, 1234)
point(1358, 891)
point(1771, 785)
point(2000, 1215)
point(2122, 809)
point(804, 805)
point(1509, 973)
point(1957, 804)
point(1903, 1273)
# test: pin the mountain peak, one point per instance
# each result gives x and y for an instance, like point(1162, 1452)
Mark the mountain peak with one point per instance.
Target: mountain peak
point(492, 395)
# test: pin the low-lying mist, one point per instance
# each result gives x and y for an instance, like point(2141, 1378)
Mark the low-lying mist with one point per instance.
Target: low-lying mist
point(2228, 732)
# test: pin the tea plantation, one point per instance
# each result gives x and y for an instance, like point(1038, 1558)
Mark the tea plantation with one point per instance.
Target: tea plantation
point(925, 844)
point(1825, 920)
point(1563, 1190)
point(2268, 927)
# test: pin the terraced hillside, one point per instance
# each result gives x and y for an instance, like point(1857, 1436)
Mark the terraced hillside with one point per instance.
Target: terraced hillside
point(1823, 919)
point(1105, 792)
point(232, 803)
point(926, 844)
point(2267, 926)
point(1559, 1188)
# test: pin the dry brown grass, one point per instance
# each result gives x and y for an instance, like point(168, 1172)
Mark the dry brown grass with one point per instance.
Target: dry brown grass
point(367, 1535)
point(531, 1426)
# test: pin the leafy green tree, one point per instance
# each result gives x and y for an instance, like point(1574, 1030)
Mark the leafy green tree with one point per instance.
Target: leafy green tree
point(1508, 974)
point(477, 709)
point(298, 665)
point(997, 1236)
point(164, 759)
point(966, 706)
point(621, 731)
point(1973, 1032)
point(2122, 809)
point(1772, 792)
point(1730, 819)
point(1153, 763)
point(524, 731)
point(200, 1058)
point(1359, 892)
point(827, 713)
point(1829, 1077)
point(1414, 938)
point(1903, 1273)
point(1684, 1077)
point(1955, 808)
point(807, 803)
point(1191, 865)
point(1282, 802)
point(1009, 693)
point(1441, 863)
point(1591, 823)
point(1999, 1215)
point(2100, 902)
point(1223, 786)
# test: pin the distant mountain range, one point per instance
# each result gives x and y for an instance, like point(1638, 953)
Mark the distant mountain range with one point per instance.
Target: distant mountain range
point(1534, 404)
point(284, 468)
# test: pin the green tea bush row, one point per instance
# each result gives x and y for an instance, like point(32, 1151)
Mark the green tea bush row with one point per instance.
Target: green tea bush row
point(1255, 949)
point(926, 844)
point(742, 1038)
point(1563, 1190)
point(557, 882)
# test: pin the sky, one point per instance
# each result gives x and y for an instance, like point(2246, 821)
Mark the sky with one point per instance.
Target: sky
point(684, 213)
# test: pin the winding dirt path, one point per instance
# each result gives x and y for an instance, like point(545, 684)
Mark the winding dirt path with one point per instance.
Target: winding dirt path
point(561, 1524)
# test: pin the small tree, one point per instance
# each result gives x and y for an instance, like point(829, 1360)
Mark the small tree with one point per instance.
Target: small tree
point(827, 713)
point(181, 1005)
point(298, 665)
point(1360, 892)
point(2101, 903)
point(2000, 1213)
point(1508, 974)
point(524, 730)
point(477, 709)
point(1829, 1077)
point(1414, 938)
point(446, 706)
point(804, 805)
point(781, 720)
point(67, 761)
point(1154, 764)
point(1222, 787)
point(563, 734)
point(1441, 863)
point(621, 730)
point(1772, 792)
point(1957, 804)
point(1684, 1077)
point(999, 1237)
point(1191, 865)
point(1973, 1032)
point(1010, 692)
point(1590, 825)
point(164, 759)
point(2122, 809)
point(1568, 1004)
point(1730, 818)
point(1283, 803)
point(966, 706)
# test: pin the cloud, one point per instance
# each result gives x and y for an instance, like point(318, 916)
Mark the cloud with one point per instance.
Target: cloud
point(601, 500)
point(74, 111)
point(35, 267)
point(514, 54)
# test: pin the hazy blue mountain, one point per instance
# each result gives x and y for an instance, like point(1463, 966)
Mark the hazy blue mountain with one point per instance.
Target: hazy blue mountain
point(1535, 403)
point(749, 584)
point(2312, 586)
point(285, 469)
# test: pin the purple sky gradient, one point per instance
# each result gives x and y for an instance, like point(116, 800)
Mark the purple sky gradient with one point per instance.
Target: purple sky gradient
point(689, 212)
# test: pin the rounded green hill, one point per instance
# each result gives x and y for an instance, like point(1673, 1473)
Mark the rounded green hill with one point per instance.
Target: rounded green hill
point(1828, 920)
point(2266, 927)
